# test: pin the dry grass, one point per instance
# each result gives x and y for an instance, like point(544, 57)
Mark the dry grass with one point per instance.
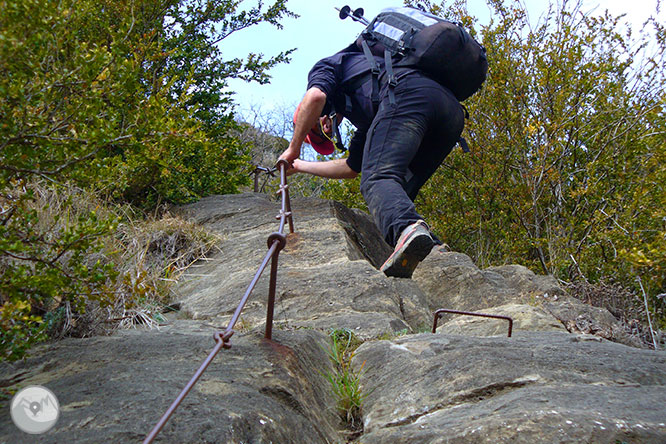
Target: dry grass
point(149, 252)
point(624, 305)
point(156, 252)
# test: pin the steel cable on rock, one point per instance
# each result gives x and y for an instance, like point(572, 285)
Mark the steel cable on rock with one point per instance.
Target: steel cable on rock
point(276, 242)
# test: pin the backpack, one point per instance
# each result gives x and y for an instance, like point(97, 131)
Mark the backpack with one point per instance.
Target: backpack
point(409, 37)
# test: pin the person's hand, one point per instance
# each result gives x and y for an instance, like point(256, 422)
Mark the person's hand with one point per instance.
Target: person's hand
point(290, 154)
point(291, 171)
point(295, 167)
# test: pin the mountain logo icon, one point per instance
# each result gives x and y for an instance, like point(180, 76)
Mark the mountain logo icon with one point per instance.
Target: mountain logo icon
point(35, 409)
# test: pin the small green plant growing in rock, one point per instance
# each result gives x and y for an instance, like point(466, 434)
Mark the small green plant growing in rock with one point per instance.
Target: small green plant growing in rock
point(345, 382)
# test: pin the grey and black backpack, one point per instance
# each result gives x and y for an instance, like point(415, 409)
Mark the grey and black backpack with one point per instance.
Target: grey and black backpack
point(409, 37)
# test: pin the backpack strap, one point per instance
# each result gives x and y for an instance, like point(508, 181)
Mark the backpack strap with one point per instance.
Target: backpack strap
point(374, 69)
point(351, 87)
point(348, 105)
point(337, 142)
point(463, 144)
point(466, 111)
point(392, 82)
point(339, 145)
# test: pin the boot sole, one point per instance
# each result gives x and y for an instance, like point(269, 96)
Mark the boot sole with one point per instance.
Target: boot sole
point(405, 262)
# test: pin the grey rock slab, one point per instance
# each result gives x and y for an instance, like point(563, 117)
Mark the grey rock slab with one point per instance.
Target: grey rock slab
point(534, 387)
point(525, 318)
point(349, 294)
point(578, 317)
point(326, 277)
point(115, 389)
point(367, 325)
point(526, 282)
point(233, 213)
point(253, 212)
point(559, 415)
point(451, 280)
point(364, 239)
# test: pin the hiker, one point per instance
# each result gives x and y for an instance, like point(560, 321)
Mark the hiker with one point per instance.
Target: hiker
point(339, 87)
point(417, 123)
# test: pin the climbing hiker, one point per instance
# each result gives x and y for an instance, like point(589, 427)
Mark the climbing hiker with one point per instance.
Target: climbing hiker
point(406, 124)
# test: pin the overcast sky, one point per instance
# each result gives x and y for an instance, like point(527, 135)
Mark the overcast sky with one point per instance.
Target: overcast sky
point(318, 32)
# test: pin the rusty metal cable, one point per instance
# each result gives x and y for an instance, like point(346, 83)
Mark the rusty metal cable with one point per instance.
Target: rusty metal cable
point(276, 242)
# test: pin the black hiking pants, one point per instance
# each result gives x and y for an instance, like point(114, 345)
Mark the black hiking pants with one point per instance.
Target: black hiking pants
point(406, 143)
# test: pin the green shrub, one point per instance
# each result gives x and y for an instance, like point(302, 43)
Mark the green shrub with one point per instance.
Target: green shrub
point(123, 98)
point(48, 260)
point(74, 264)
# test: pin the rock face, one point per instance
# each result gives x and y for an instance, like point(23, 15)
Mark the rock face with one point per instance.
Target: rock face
point(451, 280)
point(536, 387)
point(326, 277)
point(115, 389)
point(553, 381)
point(525, 318)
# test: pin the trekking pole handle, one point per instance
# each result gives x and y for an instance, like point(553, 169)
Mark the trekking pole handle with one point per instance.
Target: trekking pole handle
point(356, 16)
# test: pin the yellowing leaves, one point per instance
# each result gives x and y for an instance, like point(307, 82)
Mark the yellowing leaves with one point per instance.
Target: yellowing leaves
point(103, 75)
point(637, 257)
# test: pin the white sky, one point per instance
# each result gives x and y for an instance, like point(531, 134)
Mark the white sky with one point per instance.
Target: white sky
point(318, 33)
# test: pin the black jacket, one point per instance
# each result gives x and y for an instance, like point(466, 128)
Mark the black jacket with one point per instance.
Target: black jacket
point(345, 78)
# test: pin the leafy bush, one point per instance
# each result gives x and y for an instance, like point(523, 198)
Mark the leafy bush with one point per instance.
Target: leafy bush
point(123, 98)
point(47, 260)
point(111, 95)
point(75, 265)
point(568, 133)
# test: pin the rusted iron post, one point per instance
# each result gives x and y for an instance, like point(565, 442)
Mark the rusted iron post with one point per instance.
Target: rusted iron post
point(268, 334)
point(287, 201)
point(256, 180)
point(285, 211)
point(279, 241)
point(256, 172)
point(439, 312)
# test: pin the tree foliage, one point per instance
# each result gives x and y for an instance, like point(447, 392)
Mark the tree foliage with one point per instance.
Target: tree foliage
point(568, 141)
point(125, 98)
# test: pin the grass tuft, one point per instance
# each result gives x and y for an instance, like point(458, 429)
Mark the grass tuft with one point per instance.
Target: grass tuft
point(345, 382)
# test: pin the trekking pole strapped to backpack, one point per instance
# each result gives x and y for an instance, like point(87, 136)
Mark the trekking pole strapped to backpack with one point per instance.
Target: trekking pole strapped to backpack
point(357, 15)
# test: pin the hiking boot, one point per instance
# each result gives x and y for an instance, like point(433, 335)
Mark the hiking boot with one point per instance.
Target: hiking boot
point(414, 244)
